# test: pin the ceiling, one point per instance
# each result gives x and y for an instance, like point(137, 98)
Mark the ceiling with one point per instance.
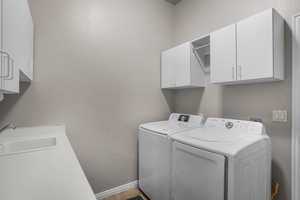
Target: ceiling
point(173, 1)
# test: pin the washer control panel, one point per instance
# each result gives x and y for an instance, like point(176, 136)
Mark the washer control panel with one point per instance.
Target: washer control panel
point(185, 118)
point(176, 123)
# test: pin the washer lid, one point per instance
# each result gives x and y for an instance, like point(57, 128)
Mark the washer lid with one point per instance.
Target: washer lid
point(167, 127)
point(176, 123)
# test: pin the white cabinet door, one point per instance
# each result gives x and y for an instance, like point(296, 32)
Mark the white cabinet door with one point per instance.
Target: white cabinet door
point(11, 76)
point(26, 40)
point(29, 46)
point(168, 73)
point(1, 55)
point(175, 69)
point(197, 174)
point(182, 55)
point(223, 55)
point(255, 47)
point(11, 23)
point(17, 42)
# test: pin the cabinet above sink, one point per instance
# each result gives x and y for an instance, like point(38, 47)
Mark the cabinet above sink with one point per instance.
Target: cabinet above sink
point(16, 58)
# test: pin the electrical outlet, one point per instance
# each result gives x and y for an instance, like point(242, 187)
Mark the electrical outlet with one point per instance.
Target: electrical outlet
point(275, 115)
point(279, 116)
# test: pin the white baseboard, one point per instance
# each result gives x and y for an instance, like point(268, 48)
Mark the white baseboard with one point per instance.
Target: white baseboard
point(117, 190)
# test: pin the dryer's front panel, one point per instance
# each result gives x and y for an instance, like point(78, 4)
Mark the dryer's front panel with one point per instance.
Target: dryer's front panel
point(197, 174)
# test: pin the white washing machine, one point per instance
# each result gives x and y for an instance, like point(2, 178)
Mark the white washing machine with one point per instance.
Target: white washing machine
point(155, 153)
point(225, 160)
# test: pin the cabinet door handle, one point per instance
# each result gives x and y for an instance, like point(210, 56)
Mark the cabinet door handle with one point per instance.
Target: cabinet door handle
point(6, 56)
point(10, 70)
point(240, 71)
point(233, 73)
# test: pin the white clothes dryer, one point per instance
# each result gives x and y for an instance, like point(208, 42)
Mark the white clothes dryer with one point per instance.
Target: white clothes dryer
point(224, 160)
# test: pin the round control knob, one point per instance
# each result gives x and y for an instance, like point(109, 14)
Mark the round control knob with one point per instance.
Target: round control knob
point(229, 125)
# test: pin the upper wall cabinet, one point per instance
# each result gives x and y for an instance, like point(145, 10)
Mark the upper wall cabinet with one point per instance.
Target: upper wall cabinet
point(249, 51)
point(184, 66)
point(223, 55)
point(16, 44)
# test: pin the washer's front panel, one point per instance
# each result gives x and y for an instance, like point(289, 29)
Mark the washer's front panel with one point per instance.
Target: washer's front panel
point(154, 165)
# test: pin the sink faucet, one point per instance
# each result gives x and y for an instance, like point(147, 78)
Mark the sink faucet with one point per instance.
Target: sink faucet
point(8, 126)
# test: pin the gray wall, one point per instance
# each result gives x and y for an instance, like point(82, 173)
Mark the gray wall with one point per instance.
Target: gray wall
point(97, 70)
point(199, 17)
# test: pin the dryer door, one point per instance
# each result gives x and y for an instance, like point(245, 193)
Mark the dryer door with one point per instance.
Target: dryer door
point(197, 174)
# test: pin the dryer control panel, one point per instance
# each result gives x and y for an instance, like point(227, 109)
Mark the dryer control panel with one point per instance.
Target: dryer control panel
point(236, 126)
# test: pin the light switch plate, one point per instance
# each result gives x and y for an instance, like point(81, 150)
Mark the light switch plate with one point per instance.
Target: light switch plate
point(279, 116)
